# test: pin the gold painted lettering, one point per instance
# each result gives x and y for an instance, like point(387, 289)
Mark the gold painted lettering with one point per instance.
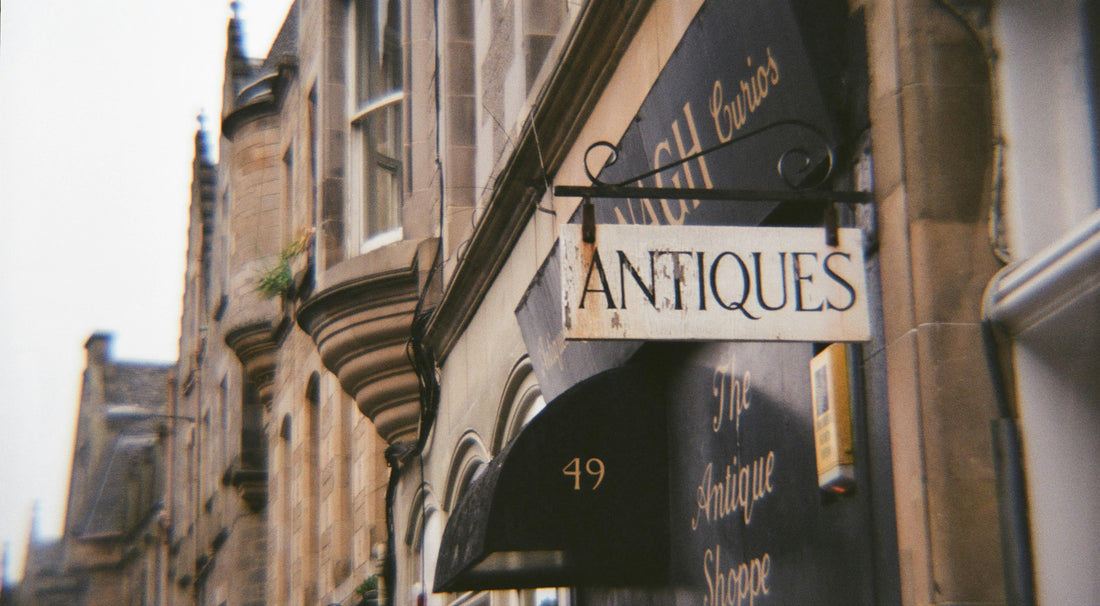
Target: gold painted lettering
point(722, 127)
point(662, 156)
point(649, 215)
point(695, 148)
point(752, 100)
point(740, 113)
point(752, 91)
point(666, 147)
point(773, 68)
point(738, 490)
point(732, 586)
point(731, 396)
point(593, 467)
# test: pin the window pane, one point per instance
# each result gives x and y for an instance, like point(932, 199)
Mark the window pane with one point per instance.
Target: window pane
point(363, 49)
point(382, 170)
point(378, 48)
point(377, 115)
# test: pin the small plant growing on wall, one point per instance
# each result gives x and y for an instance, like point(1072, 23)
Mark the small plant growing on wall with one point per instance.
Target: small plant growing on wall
point(368, 591)
point(278, 281)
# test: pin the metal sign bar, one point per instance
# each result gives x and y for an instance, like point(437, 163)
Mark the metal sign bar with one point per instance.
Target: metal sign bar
point(689, 193)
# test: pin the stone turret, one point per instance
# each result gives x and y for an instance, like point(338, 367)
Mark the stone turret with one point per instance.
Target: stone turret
point(238, 68)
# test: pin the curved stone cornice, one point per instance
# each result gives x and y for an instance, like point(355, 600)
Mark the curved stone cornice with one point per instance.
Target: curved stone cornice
point(256, 345)
point(259, 103)
point(262, 97)
point(361, 321)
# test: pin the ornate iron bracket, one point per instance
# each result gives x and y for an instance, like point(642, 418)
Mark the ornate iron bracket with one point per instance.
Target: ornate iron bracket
point(795, 166)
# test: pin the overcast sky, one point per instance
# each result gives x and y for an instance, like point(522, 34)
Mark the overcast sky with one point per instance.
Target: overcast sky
point(98, 107)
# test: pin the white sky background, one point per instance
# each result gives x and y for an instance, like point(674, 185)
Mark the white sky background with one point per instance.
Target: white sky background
point(98, 106)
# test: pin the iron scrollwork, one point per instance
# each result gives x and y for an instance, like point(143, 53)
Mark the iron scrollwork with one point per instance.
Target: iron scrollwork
point(804, 168)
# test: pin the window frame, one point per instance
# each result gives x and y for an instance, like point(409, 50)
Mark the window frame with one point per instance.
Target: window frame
point(367, 109)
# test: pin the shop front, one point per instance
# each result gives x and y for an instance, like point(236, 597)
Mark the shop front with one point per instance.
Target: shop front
point(713, 432)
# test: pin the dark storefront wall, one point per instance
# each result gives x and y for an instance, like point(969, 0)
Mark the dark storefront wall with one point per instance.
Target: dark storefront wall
point(687, 476)
point(748, 521)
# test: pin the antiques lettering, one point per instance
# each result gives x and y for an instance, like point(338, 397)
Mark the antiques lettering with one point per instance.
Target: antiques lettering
point(745, 282)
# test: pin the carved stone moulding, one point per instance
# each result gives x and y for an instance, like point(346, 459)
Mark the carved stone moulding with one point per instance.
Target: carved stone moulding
point(361, 322)
point(256, 345)
point(251, 484)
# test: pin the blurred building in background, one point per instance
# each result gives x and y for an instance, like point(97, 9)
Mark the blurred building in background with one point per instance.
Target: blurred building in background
point(110, 552)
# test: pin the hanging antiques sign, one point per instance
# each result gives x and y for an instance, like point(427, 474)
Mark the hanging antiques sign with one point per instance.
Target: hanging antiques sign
point(744, 78)
point(688, 283)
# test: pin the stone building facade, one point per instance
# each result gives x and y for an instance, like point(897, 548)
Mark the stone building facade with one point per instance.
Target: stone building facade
point(279, 485)
point(373, 348)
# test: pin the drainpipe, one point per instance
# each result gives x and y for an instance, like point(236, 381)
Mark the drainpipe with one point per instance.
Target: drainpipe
point(397, 455)
point(1053, 280)
point(394, 456)
point(1008, 464)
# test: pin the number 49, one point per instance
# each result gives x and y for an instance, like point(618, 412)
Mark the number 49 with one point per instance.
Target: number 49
point(593, 467)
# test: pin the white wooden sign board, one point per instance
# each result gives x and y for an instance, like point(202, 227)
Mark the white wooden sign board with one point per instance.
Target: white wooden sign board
point(690, 283)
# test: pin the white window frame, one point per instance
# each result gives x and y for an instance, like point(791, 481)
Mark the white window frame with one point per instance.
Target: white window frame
point(359, 239)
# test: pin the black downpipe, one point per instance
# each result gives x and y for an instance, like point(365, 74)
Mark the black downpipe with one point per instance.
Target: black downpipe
point(1090, 15)
point(389, 567)
point(1011, 485)
point(1012, 504)
point(422, 359)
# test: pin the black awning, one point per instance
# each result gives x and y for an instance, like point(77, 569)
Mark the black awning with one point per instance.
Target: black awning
point(580, 497)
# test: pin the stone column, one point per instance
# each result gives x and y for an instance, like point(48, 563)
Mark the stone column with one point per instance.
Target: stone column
point(932, 145)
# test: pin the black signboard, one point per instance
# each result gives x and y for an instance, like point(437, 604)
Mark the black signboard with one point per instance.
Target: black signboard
point(749, 524)
point(740, 85)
